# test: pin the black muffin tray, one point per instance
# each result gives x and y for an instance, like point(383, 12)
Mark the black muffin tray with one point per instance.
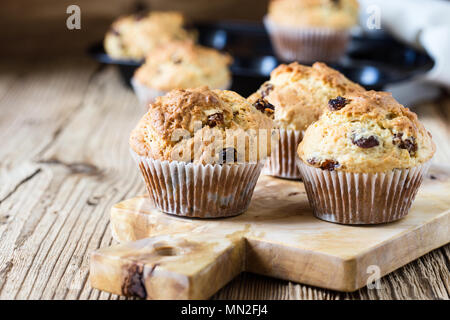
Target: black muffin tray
point(373, 62)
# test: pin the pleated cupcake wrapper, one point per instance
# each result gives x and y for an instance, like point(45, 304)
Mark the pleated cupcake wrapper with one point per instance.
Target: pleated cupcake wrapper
point(148, 95)
point(200, 191)
point(307, 44)
point(145, 94)
point(283, 159)
point(361, 198)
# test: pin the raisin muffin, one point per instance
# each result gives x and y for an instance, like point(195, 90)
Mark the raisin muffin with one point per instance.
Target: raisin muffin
point(133, 37)
point(201, 151)
point(363, 161)
point(298, 95)
point(311, 30)
point(181, 65)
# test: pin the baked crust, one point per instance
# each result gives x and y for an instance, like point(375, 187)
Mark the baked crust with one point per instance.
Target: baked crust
point(197, 125)
point(367, 132)
point(300, 93)
point(183, 65)
point(338, 14)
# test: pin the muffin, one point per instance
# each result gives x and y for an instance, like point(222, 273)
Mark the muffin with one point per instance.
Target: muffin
point(181, 65)
point(363, 161)
point(310, 30)
point(299, 95)
point(201, 151)
point(133, 37)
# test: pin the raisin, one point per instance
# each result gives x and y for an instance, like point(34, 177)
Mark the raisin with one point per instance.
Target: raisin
point(325, 165)
point(176, 60)
point(114, 32)
point(408, 143)
point(338, 103)
point(329, 165)
point(139, 16)
point(265, 89)
point(264, 106)
point(210, 99)
point(215, 119)
point(390, 116)
point(228, 155)
point(366, 143)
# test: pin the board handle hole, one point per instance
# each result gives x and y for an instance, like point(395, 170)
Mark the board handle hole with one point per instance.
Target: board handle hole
point(164, 249)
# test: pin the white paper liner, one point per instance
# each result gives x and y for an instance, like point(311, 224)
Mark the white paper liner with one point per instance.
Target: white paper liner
point(307, 44)
point(361, 198)
point(283, 159)
point(148, 95)
point(145, 94)
point(200, 191)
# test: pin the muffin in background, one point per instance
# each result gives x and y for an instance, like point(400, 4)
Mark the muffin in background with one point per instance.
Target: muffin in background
point(311, 30)
point(298, 95)
point(363, 161)
point(181, 65)
point(201, 152)
point(132, 37)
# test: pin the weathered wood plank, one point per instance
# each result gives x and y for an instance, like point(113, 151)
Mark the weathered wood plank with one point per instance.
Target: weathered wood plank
point(32, 112)
point(34, 109)
point(94, 176)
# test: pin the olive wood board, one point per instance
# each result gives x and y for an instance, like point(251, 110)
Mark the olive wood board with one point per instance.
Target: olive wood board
point(161, 256)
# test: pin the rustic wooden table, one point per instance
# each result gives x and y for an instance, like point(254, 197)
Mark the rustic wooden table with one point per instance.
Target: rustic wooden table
point(64, 162)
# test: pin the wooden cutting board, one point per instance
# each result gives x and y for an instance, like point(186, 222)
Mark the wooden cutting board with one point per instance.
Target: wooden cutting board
point(166, 257)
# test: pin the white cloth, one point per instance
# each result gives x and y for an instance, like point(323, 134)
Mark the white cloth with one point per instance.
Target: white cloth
point(424, 24)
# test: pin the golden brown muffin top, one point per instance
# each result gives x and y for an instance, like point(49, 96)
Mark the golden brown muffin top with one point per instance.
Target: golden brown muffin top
point(336, 14)
point(367, 132)
point(134, 36)
point(182, 65)
point(299, 94)
point(200, 125)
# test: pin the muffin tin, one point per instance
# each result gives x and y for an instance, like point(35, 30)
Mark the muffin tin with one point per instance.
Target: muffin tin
point(373, 62)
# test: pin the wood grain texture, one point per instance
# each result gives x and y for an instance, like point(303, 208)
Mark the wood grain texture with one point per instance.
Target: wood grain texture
point(64, 162)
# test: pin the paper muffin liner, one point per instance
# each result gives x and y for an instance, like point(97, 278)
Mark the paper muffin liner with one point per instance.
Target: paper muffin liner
point(307, 44)
point(199, 191)
point(361, 198)
point(148, 95)
point(145, 94)
point(283, 159)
